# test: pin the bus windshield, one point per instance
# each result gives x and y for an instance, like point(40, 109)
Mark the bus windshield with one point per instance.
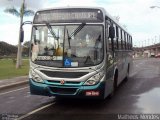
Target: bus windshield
point(78, 45)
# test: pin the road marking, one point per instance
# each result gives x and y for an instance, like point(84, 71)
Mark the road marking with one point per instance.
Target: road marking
point(36, 110)
point(14, 84)
point(13, 91)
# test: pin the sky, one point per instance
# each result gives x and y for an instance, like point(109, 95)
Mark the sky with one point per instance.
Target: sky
point(140, 20)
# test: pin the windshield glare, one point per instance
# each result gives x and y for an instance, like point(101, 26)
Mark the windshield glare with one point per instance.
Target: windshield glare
point(67, 46)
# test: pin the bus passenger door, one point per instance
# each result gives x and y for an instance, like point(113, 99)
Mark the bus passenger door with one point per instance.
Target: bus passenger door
point(110, 56)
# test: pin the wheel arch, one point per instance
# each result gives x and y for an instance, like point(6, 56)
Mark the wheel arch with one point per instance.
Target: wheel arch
point(115, 75)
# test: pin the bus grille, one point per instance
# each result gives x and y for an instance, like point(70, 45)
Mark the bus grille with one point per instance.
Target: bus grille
point(59, 74)
point(63, 90)
point(51, 82)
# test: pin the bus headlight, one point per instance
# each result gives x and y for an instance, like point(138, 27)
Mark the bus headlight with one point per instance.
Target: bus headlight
point(95, 79)
point(35, 77)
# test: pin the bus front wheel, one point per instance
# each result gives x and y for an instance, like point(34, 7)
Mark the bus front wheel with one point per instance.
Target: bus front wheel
point(114, 85)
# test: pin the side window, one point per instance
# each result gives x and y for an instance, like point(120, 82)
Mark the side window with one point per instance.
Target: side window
point(128, 42)
point(125, 43)
point(110, 44)
point(117, 37)
point(109, 39)
point(121, 39)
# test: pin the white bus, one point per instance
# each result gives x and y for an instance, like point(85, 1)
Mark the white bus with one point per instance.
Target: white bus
point(78, 52)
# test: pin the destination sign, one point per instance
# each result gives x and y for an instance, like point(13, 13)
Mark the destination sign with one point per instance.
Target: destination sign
point(68, 16)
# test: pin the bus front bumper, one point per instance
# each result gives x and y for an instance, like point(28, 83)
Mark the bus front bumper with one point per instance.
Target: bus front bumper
point(96, 91)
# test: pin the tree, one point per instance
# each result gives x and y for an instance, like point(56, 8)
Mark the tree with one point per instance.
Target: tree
point(22, 12)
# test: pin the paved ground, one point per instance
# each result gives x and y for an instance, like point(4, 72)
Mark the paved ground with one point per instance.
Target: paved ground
point(13, 80)
point(140, 95)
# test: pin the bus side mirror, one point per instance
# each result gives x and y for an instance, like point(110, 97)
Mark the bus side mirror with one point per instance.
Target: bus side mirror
point(111, 32)
point(22, 35)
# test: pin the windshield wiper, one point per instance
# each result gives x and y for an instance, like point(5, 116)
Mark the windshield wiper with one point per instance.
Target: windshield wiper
point(77, 30)
point(88, 61)
point(55, 37)
point(52, 31)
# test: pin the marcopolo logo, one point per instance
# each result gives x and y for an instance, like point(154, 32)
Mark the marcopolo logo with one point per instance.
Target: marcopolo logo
point(62, 82)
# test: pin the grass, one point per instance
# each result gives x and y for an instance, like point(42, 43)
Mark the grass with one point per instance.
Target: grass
point(8, 69)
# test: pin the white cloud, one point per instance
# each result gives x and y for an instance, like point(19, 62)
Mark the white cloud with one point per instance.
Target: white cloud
point(9, 33)
point(62, 3)
point(33, 4)
point(141, 21)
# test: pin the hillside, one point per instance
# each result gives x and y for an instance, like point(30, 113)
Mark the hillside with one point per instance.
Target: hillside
point(7, 49)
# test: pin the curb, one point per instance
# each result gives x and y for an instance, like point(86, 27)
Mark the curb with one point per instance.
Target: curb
point(13, 85)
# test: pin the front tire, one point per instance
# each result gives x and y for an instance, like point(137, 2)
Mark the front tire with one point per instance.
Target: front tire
point(114, 86)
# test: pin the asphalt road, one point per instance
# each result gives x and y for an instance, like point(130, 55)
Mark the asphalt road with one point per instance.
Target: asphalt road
point(139, 95)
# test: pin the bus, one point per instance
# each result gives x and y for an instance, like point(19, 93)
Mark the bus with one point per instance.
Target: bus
point(78, 52)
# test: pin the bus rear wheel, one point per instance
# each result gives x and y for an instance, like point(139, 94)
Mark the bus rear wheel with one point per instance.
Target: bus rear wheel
point(127, 75)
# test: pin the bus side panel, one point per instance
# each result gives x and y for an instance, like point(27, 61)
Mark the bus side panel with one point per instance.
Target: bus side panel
point(109, 81)
point(123, 68)
point(119, 65)
point(129, 61)
point(125, 59)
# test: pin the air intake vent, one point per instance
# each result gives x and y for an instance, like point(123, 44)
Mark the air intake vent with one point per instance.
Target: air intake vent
point(64, 74)
point(63, 90)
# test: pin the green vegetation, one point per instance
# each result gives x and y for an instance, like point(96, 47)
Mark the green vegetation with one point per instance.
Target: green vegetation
point(8, 70)
point(7, 49)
